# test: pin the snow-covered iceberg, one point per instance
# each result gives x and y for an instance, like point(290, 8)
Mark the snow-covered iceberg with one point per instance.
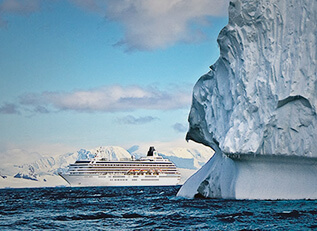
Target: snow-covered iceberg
point(257, 106)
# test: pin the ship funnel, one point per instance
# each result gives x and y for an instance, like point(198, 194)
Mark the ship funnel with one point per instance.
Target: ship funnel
point(151, 151)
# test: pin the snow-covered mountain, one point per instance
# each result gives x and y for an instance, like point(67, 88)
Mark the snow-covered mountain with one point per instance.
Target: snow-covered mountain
point(36, 172)
point(112, 153)
point(52, 165)
point(44, 170)
point(258, 104)
point(187, 158)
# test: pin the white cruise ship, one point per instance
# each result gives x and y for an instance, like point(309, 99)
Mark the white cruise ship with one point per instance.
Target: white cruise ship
point(152, 170)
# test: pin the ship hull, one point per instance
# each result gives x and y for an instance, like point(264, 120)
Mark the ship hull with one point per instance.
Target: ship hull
point(120, 180)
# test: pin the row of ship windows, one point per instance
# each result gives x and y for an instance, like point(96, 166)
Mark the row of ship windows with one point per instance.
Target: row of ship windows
point(125, 177)
point(124, 165)
point(120, 169)
point(134, 179)
point(124, 173)
point(104, 176)
point(119, 172)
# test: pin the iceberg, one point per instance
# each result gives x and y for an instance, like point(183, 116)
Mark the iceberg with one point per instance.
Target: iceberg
point(256, 107)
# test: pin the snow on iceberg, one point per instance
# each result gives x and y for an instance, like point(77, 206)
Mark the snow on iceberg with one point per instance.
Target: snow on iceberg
point(257, 106)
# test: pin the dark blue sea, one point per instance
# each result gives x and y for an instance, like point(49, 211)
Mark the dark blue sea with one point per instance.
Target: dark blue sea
point(145, 208)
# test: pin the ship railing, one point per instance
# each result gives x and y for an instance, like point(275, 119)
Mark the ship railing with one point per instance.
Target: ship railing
point(125, 159)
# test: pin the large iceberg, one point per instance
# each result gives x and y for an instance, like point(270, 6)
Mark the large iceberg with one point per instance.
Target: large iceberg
point(257, 106)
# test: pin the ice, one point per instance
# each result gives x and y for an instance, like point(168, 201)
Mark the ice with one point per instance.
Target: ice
point(259, 99)
point(254, 177)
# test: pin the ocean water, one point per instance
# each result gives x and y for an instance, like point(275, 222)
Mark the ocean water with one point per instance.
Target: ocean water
point(145, 208)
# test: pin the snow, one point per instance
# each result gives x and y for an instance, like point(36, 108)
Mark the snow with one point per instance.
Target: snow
point(184, 156)
point(47, 181)
point(112, 153)
point(259, 98)
point(43, 171)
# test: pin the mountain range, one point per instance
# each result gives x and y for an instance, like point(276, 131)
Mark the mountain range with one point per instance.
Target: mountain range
point(43, 171)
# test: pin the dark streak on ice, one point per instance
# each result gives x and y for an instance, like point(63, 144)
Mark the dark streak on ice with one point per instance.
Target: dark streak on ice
point(289, 99)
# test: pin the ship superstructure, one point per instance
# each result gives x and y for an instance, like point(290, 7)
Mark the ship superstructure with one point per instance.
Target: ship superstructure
point(151, 170)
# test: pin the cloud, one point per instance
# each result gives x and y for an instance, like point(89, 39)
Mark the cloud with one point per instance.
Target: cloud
point(41, 109)
point(136, 121)
point(180, 127)
point(20, 7)
point(9, 108)
point(110, 99)
point(147, 24)
point(150, 25)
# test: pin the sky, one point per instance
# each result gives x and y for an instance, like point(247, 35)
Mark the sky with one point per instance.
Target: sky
point(87, 73)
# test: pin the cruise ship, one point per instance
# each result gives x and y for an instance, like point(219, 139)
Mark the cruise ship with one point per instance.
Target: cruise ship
point(152, 170)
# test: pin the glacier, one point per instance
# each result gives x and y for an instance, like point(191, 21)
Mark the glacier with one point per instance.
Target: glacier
point(256, 107)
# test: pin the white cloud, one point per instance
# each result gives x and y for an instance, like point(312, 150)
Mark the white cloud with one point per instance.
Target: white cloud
point(111, 99)
point(147, 24)
point(152, 24)
point(129, 119)
point(155, 24)
point(21, 7)
point(178, 127)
